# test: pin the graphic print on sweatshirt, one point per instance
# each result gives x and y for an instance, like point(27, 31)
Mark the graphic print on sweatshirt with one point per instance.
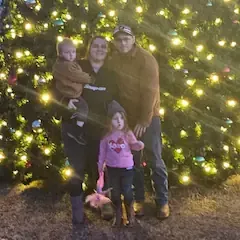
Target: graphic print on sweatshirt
point(117, 146)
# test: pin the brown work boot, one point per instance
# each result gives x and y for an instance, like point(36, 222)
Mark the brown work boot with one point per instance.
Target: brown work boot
point(163, 212)
point(139, 209)
point(130, 214)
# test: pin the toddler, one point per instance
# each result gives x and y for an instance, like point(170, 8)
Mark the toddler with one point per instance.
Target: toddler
point(115, 153)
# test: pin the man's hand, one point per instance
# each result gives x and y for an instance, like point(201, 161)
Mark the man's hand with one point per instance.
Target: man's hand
point(71, 104)
point(139, 130)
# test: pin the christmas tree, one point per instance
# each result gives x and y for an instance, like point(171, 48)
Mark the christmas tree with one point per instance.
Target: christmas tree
point(196, 47)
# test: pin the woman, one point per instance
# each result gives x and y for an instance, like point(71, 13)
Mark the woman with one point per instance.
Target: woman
point(97, 95)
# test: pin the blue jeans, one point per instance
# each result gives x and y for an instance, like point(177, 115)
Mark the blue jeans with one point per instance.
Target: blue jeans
point(76, 155)
point(153, 152)
point(120, 180)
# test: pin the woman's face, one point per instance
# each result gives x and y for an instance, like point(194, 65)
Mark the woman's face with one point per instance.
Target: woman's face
point(98, 49)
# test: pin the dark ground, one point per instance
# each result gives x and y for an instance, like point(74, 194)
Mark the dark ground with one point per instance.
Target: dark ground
point(29, 212)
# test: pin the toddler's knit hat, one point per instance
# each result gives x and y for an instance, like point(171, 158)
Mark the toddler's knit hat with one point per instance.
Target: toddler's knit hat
point(115, 107)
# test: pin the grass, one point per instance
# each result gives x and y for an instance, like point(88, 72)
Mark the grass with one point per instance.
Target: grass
point(32, 212)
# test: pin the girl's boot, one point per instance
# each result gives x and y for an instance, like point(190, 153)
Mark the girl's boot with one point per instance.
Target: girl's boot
point(130, 214)
point(117, 221)
point(77, 210)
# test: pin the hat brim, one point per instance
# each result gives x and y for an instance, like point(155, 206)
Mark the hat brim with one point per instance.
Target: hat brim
point(124, 32)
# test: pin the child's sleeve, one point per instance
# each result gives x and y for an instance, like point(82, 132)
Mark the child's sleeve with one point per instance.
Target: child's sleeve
point(133, 142)
point(102, 155)
point(77, 75)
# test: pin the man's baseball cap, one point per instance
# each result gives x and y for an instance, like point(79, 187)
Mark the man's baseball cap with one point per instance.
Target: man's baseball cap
point(124, 29)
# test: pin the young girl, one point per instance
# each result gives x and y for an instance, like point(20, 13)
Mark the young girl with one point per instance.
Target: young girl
point(115, 153)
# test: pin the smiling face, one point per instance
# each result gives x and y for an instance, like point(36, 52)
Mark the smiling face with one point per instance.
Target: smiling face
point(123, 42)
point(98, 49)
point(118, 121)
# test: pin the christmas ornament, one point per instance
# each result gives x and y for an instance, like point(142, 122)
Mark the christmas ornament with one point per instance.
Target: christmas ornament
point(228, 121)
point(31, 3)
point(41, 81)
point(209, 3)
point(58, 22)
point(173, 32)
point(28, 164)
point(199, 159)
point(226, 69)
point(36, 125)
point(12, 79)
point(67, 164)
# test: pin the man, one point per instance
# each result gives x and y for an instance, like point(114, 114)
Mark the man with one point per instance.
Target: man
point(138, 83)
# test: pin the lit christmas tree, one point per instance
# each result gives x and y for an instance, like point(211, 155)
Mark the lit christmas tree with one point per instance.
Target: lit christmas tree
point(196, 47)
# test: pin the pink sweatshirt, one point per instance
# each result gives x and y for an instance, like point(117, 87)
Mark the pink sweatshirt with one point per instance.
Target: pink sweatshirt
point(115, 150)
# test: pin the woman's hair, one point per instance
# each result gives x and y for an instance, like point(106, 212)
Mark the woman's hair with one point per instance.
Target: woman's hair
point(91, 42)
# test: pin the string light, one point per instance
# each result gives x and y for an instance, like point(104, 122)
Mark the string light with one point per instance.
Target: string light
point(45, 97)
point(195, 33)
point(152, 48)
point(139, 9)
point(231, 103)
point(28, 26)
point(226, 165)
point(176, 41)
point(162, 111)
point(190, 82)
point(199, 92)
point(54, 13)
point(222, 43)
point(210, 56)
point(111, 13)
point(199, 48)
point(186, 11)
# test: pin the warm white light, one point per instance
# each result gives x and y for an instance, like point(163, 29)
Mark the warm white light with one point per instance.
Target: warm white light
point(199, 48)
point(226, 165)
point(233, 44)
point(162, 111)
point(83, 26)
point(45, 97)
point(60, 38)
point(210, 56)
point(28, 26)
point(19, 54)
point(199, 92)
point(185, 179)
point(47, 151)
point(231, 103)
point(214, 78)
point(68, 16)
point(20, 70)
point(190, 82)
point(24, 158)
point(183, 22)
point(186, 11)
point(139, 9)
point(152, 48)
point(226, 148)
point(222, 43)
point(195, 33)
point(54, 13)
point(111, 13)
point(184, 103)
point(176, 41)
